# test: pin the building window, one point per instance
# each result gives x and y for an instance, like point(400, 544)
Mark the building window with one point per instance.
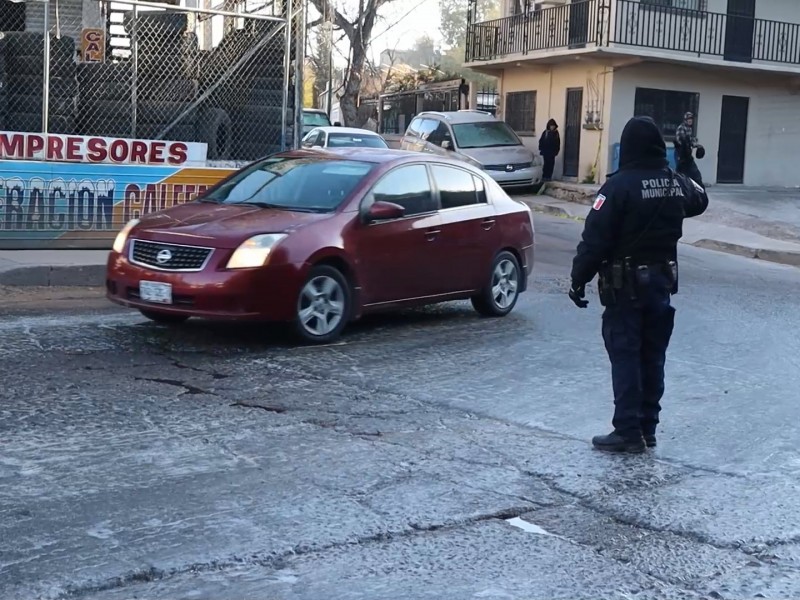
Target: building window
point(699, 5)
point(666, 108)
point(521, 112)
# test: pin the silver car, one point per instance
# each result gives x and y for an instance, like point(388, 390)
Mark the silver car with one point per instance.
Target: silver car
point(477, 138)
point(342, 137)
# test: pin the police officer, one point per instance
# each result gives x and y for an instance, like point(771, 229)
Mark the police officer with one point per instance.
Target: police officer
point(685, 143)
point(630, 240)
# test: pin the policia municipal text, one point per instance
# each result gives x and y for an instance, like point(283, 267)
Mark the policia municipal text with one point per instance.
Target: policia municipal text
point(630, 239)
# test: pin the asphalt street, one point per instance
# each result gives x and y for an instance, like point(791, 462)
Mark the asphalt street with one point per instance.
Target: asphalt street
point(429, 454)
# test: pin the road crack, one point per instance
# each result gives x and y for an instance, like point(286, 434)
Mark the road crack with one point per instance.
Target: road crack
point(188, 388)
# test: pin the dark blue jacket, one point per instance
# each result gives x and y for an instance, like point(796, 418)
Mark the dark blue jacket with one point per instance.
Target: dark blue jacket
point(639, 211)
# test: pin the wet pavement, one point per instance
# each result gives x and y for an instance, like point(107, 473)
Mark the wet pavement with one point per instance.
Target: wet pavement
point(429, 454)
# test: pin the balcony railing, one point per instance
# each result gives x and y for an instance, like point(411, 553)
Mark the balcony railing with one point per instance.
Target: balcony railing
point(588, 23)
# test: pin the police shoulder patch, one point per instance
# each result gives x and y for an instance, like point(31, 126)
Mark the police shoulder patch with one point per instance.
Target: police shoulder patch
point(598, 202)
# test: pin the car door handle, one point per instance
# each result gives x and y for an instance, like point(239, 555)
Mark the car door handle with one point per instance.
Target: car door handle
point(431, 234)
point(488, 223)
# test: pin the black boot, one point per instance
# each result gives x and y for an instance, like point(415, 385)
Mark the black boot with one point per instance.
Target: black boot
point(613, 442)
point(650, 440)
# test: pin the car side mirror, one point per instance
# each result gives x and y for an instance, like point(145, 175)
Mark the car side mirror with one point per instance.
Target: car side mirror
point(447, 144)
point(382, 211)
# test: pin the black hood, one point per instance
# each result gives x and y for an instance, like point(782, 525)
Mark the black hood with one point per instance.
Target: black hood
point(642, 145)
point(552, 122)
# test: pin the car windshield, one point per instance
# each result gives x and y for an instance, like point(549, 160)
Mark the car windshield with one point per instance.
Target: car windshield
point(351, 140)
point(314, 119)
point(485, 134)
point(304, 184)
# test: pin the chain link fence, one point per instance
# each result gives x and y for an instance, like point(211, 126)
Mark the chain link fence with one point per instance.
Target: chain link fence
point(225, 76)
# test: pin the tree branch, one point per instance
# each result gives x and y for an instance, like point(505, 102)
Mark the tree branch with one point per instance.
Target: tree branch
point(325, 7)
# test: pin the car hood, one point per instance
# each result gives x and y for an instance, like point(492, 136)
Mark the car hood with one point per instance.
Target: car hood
point(501, 155)
point(220, 225)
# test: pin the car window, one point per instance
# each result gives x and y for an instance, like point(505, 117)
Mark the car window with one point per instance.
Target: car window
point(485, 134)
point(307, 183)
point(481, 189)
point(413, 128)
point(456, 186)
point(427, 127)
point(409, 187)
point(440, 134)
point(315, 119)
point(311, 138)
point(353, 140)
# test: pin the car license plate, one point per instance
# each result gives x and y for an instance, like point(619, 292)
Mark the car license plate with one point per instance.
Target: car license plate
point(153, 291)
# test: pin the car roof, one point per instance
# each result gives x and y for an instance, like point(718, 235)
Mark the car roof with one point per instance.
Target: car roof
point(354, 130)
point(371, 155)
point(460, 116)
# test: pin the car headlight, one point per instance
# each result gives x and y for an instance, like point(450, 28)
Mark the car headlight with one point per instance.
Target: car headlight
point(122, 236)
point(255, 251)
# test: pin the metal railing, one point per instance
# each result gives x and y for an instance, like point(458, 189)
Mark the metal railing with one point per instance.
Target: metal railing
point(632, 23)
point(565, 26)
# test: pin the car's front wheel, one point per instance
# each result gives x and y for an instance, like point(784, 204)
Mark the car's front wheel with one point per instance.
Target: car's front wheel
point(323, 306)
point(164, 318)
point(500, 295)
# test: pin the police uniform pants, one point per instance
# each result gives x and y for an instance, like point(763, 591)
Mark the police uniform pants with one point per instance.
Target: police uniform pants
point(636, 334)
point(689, 168)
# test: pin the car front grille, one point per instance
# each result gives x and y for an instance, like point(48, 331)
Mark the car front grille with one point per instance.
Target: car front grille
point(514, 166)
point(169, 257)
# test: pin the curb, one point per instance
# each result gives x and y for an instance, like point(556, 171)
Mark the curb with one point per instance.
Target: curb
point(783, 257)
point(66, 276)
point(555, 211)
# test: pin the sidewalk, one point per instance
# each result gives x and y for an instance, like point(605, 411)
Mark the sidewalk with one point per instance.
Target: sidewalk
point(53, 267)
point(752, 222)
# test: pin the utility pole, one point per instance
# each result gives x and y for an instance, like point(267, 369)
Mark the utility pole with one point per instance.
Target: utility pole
point(329, 24)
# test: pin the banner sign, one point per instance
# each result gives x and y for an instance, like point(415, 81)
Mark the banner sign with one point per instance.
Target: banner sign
point(93, 45)
point(47, 201)
point(96, 150)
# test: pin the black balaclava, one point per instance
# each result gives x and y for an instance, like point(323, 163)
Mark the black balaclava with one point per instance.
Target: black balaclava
point(642, 145)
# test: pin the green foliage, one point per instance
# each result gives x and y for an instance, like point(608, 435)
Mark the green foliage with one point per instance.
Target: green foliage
point(453, 14)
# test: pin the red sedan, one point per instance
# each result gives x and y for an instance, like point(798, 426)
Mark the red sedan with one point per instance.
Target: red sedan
point(319, 238)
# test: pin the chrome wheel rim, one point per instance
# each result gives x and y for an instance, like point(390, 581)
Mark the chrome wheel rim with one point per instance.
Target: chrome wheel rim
point(505, 282)
point(321, 305)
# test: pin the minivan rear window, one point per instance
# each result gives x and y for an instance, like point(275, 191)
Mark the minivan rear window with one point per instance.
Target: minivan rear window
point(485, 134)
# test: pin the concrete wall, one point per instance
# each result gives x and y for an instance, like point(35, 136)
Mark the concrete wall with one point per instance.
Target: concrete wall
point(550, 85)
point(773, 132)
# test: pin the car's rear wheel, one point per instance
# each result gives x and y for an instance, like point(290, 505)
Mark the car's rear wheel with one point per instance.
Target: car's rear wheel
point(163, 318)
point(323, 306)
point(500, 295)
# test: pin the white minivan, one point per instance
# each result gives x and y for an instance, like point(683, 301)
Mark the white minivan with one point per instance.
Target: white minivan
point(478, 138)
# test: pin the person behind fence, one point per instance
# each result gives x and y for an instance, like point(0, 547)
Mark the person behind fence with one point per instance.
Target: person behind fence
point(630, 240)
point(549, 147)
point(685, 143)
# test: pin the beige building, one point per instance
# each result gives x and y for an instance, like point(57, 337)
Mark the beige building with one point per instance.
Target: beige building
point(593, 64)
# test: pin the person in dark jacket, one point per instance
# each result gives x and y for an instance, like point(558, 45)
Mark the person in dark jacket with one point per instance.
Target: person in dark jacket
point(630, 240)
point(685, 143)
point(549, 147)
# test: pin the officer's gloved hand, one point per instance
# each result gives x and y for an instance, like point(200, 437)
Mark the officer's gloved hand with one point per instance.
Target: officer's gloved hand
point(577, 295)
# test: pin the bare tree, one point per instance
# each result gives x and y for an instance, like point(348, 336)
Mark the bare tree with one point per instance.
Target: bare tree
point(358, 31)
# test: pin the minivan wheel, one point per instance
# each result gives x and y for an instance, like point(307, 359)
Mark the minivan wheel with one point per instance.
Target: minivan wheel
point(500, 295)
point(323, 306)
point(164, 318)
